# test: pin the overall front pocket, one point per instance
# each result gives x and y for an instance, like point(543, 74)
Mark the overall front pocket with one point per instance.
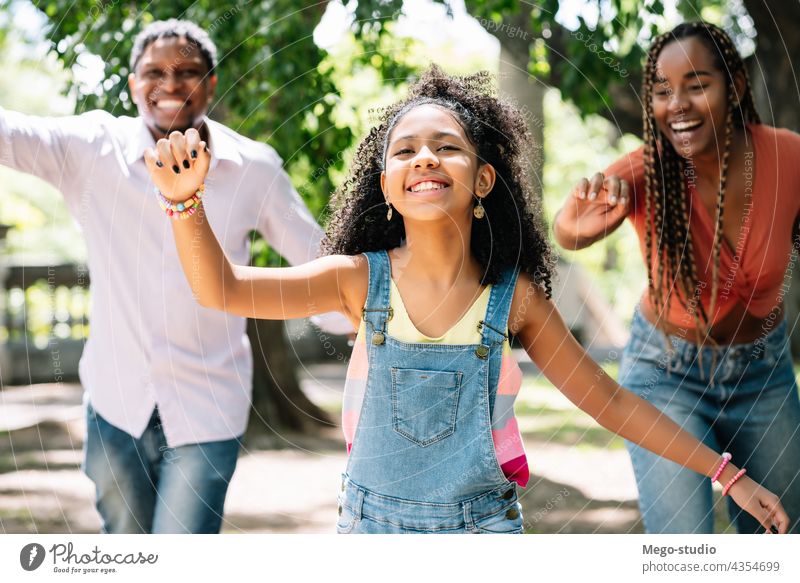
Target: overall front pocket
point(424, 404)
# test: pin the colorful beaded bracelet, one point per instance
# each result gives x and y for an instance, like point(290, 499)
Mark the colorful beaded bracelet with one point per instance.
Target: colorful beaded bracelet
point(726, 457)
point(733, 480)
point(181, 210)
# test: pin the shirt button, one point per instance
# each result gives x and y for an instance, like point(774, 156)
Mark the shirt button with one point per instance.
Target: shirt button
point(512, 513)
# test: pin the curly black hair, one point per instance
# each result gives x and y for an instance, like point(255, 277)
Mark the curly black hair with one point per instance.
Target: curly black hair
point(512, 234)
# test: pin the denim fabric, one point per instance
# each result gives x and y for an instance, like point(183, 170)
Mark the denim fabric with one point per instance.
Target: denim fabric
point(748, 407)
point(144, 486)
point(364, 512)
point(423, 459)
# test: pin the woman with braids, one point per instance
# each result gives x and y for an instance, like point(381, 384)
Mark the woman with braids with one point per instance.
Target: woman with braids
point(712, 196)
point(436, 252)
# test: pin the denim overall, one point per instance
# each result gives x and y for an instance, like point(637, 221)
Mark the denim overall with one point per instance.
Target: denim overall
point(423, 459)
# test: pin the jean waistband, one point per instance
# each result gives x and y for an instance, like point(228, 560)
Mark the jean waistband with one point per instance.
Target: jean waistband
point(772, 338)
point(425, 515)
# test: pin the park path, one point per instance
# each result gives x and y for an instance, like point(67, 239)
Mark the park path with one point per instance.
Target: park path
point(288, 483)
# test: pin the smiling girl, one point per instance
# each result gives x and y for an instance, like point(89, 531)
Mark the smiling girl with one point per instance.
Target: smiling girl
point(437, 253)
point(712, 196)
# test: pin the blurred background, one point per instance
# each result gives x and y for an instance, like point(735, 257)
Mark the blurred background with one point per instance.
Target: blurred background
point(305, 77)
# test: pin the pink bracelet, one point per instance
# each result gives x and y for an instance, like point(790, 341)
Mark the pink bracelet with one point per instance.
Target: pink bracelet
point(738, 475)
point(726, 457)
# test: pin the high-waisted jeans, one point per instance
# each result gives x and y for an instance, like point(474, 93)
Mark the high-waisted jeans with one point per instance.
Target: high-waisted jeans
point(750, 409)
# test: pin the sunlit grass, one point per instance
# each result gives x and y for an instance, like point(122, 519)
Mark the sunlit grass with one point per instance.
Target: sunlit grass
point(546, 416)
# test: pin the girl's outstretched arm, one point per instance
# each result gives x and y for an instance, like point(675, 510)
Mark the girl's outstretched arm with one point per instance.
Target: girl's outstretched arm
point(254, 292)
point(547, 340)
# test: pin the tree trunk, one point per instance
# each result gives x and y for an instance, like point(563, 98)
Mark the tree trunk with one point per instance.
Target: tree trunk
point(774, 70)
point(773, 73)
point(519, 86)
point(278, 401)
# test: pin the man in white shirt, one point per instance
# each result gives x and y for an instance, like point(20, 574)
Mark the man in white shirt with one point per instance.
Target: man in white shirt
point(168, 382)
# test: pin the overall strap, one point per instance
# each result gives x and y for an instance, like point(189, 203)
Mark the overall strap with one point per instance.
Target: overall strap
point(494, 326)
point(377, 311)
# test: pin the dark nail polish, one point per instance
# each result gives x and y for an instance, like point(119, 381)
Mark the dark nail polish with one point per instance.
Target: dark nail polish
point(194, 154)
point(159, 163)
point(175, 169)
point(186, 164)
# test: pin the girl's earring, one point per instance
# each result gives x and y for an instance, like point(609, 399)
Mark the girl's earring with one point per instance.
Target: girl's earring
point(478, 211)
point(389, 212)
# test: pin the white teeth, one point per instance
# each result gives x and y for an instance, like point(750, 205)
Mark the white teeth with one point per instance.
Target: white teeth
point(427, 185)
point(170, 104)
point(681, 126)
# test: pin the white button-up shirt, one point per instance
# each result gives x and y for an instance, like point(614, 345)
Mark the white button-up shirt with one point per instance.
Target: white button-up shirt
point(151, 343)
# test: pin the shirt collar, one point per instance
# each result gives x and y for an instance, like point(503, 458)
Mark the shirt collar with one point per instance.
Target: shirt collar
point(222, 146)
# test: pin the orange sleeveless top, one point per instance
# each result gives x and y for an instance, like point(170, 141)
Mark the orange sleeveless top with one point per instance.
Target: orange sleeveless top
point(754, 271)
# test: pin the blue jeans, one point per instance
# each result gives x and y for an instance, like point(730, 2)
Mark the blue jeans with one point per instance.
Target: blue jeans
point(145, 486)
point(749, 408)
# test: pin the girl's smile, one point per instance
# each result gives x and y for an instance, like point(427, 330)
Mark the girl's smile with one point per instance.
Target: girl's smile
point(428, 187)
point(431, 166)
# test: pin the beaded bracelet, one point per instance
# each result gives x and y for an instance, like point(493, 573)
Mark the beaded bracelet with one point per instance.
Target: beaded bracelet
point(726, 457)
point(738, 475)
point(181, 210)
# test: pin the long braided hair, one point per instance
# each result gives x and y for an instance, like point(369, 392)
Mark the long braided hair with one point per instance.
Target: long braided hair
point(668, 237)
point(512, 233)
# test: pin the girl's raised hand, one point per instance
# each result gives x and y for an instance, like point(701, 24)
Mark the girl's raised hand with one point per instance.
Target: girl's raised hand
point(178, 165)
point(761, 503)
point(596, 206)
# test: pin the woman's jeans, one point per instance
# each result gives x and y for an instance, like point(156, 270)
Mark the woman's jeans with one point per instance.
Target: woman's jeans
point(145, 486)
point(749, 408)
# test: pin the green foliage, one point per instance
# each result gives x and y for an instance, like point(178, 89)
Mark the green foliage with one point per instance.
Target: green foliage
point(578, 147)
point(589, 59)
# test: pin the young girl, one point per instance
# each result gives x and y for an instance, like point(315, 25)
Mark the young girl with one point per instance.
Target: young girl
point(713, 198)
point(437, 253)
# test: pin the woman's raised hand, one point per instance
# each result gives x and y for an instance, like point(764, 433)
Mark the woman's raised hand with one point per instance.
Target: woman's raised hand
point(178, 165)
point(595, 207)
